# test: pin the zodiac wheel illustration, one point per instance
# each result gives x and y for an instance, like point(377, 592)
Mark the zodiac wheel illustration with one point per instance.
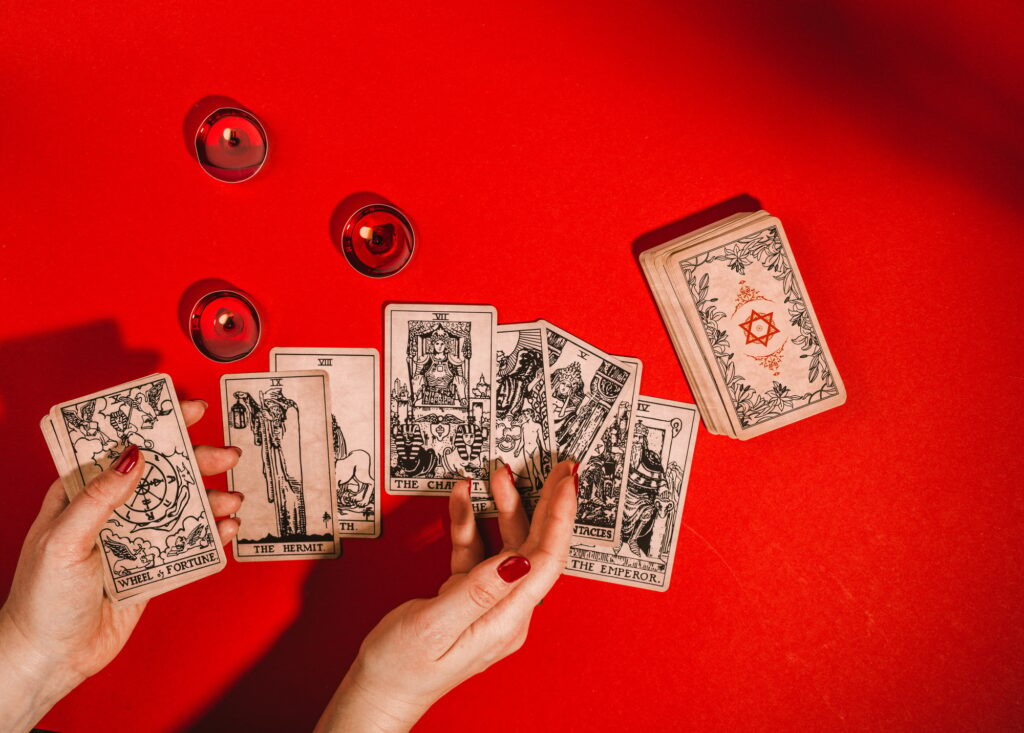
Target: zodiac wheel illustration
point(157, 495)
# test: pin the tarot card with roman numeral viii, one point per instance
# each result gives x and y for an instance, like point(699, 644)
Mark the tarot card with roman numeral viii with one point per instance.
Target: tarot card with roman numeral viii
point(164, 535)
point(355, 426)
point(439, 373)
point(652, 504)
point(282, 423)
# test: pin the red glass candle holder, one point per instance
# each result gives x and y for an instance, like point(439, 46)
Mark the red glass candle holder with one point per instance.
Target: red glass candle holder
point(378, 240)
point(224, 325)
point(231, 145)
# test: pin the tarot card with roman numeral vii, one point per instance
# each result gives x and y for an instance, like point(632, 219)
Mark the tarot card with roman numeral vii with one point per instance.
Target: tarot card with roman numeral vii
point(652, 503)
point(164, 535)
point(355, 427)
point(439, 373)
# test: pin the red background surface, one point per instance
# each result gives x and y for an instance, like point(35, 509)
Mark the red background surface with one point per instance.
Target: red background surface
point(859, 570)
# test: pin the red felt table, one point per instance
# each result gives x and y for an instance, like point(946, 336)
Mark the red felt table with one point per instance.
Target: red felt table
point(858, 570)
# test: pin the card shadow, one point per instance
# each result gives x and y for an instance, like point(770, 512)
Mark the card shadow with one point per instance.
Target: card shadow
point(342, 600)
point(37, 372)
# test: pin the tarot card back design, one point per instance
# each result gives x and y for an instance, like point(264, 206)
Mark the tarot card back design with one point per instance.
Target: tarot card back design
point(439, 372)
point(757, 330)
point(164, 535)
point(602, 474)
point(521, 438)
point(652, 504)
point(583, 385)
point(282, 423)
point(355, 428)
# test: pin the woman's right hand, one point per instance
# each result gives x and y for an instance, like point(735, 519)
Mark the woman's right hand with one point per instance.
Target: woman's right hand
point(481, 614)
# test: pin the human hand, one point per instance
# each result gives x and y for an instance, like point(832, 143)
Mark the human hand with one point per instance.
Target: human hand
point(481, 614)
point(57, 627)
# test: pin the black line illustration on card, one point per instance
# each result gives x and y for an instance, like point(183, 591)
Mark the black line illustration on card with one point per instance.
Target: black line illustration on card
point(440, 415)
point(520, 414)
point(600, 477)
point(354, 478)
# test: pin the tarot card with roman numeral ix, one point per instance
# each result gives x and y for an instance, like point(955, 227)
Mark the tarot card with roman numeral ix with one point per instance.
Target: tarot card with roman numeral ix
point(602, 475)
point(751, 318)
point(355, 426)
point(282, 423)
point(164, 535)
point(652, 504)
point(521, 438)
point(439, 373)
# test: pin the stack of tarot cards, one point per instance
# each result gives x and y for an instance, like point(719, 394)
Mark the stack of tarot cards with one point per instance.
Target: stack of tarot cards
point(164, 535)
point(742, 324)
point(467, 395)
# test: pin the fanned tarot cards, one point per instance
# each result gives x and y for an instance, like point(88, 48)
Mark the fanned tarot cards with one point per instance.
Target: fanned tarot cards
point(439, 373)
point(652, 503)
point(164, 535)
point(282, 423)
point(355, 427)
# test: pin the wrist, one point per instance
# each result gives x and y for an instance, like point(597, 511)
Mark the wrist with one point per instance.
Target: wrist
point(358, 705)
point(30, 684)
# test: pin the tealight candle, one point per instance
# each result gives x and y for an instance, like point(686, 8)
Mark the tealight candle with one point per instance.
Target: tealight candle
point(224, 325)
point(231, 145)
point(378, 240)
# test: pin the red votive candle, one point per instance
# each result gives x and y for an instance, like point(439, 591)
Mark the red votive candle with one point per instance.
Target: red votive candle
point(231, 145)
point(224, 325)
point(378, 240)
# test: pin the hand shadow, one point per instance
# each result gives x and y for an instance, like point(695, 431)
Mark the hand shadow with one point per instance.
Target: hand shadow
point(37, 372)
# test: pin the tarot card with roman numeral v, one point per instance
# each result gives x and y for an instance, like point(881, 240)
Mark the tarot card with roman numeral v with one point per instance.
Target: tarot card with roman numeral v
point(282, 423)
point(652, 503)
point(439, 373)
point(164, 535)
point(355, 427)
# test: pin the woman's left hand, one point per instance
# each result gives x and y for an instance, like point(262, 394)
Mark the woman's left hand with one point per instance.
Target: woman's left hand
point(57, 627)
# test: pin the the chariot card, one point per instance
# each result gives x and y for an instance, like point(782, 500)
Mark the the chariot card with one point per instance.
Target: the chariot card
point(282, 423)
point(602, 475)
point(164, 535)
point(652, 503)
point(521, 438)
point(583, 386)
point(439, 373)
point(355, 426)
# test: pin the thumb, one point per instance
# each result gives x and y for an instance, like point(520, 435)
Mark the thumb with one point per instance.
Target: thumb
point(85, 516)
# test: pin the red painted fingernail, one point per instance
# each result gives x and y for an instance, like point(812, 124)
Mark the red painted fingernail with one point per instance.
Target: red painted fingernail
point(511, 476)
point(239, 494)
point(575, 468)
point(576, 484)
point(513, 568)
point(127, 460)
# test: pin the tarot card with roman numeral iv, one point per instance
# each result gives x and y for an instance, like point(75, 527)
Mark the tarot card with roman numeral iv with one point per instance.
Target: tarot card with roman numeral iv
point(282, 423)
point(164, 535)
point(355, 426)
point(439, 373)
point(652, 504)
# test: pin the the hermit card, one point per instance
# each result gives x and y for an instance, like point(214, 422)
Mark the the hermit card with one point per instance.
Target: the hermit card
point(282, 423)
point(164, 535)
point(521, 439)
point(652, 504)
point(439, 372)
point(355, 426)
